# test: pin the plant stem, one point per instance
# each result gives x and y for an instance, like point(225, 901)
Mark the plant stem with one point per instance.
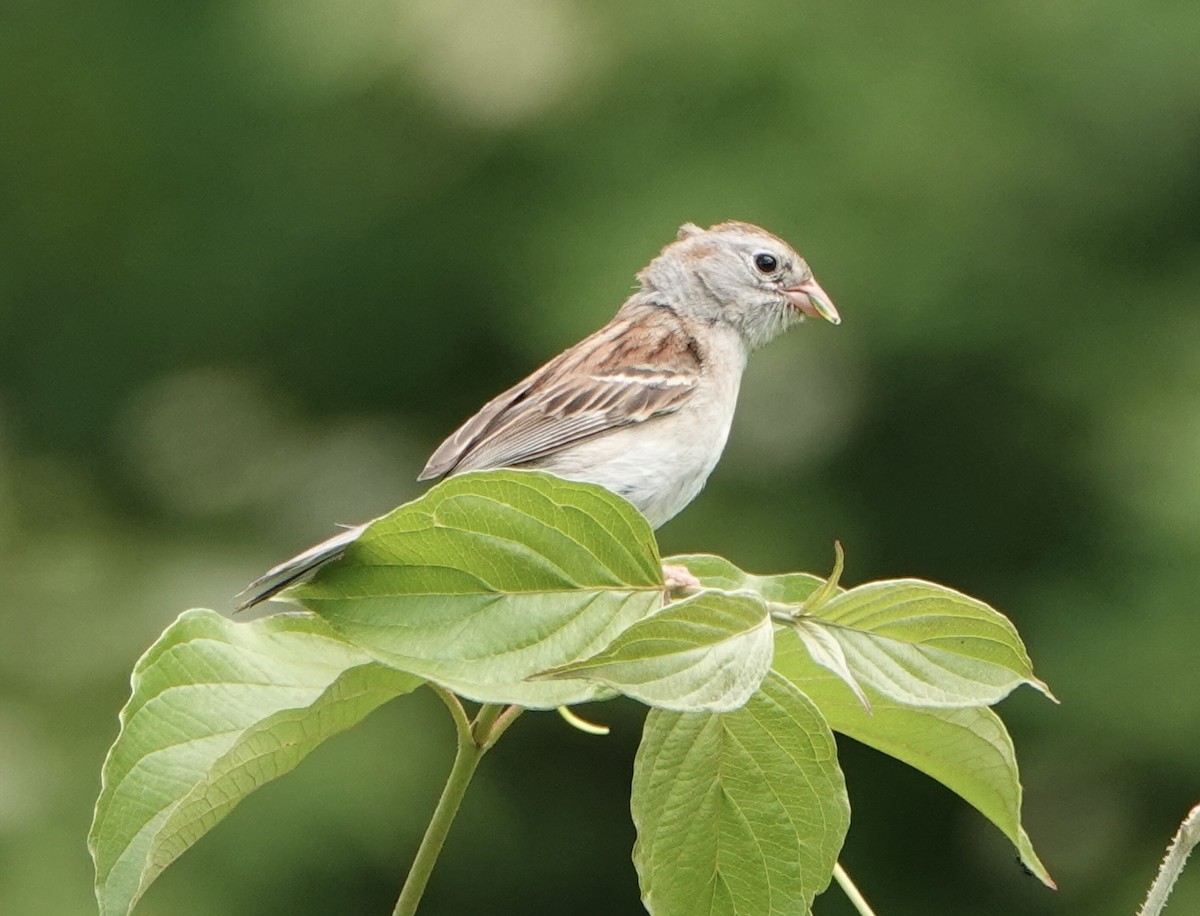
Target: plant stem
point(474, 740)
point(1186, 839)
point(851, 891)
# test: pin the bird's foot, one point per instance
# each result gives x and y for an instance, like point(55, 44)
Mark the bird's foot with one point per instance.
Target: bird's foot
point(678, 579)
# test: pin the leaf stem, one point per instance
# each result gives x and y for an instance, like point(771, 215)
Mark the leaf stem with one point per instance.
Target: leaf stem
point(475, 738)
point(462, 725)
point(1185, 840)
point(851, 891)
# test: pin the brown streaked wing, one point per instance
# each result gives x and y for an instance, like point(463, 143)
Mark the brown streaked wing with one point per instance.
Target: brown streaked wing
point(627, 372)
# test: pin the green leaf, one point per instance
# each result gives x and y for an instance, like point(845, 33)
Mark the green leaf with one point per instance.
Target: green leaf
point(968, 749)
point(707, 652)
point(786, 596)
point(824, 649)
point(717, 572)
point(219, 708)
point(492, 577)
point(739, 813)
point(927, 645)
point(917, 642)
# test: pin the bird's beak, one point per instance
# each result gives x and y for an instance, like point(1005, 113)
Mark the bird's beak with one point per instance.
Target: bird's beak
point(809, 299)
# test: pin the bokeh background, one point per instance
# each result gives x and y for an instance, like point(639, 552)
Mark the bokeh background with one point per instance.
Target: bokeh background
point(257, 259)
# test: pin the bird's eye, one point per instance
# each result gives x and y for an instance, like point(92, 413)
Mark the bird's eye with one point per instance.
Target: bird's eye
point(766, 263)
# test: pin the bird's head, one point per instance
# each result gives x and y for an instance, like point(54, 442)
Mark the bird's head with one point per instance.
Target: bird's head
point(740, 274)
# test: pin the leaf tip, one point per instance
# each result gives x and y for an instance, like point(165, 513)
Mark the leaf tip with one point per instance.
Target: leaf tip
point(1029, 860)
point(829, 588)
point(1038, 872)
point(1044, 689)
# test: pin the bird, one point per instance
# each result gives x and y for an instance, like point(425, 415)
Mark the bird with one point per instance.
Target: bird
point(642, 407)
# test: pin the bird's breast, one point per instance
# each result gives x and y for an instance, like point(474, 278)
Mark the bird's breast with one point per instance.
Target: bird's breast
point(662, 464)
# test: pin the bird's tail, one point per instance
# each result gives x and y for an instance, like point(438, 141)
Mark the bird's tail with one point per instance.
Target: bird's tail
point(296, 569)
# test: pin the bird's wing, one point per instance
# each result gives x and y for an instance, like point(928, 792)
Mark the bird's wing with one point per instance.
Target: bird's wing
point(627, 372)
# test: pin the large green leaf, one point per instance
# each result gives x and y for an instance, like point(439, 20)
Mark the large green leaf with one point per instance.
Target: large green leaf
point(739, 813)
point(923, 644)
point(492, 577)
point(707, 652)
point(917, 642)
point(966, 749)
point(218, 709)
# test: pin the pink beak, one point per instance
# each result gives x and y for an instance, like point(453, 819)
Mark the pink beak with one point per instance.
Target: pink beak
point(809, 299)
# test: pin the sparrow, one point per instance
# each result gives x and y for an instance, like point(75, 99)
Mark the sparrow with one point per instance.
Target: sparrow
point(643, 406)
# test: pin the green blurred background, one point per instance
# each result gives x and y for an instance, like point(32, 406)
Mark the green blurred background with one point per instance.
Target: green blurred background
point(257, 259)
